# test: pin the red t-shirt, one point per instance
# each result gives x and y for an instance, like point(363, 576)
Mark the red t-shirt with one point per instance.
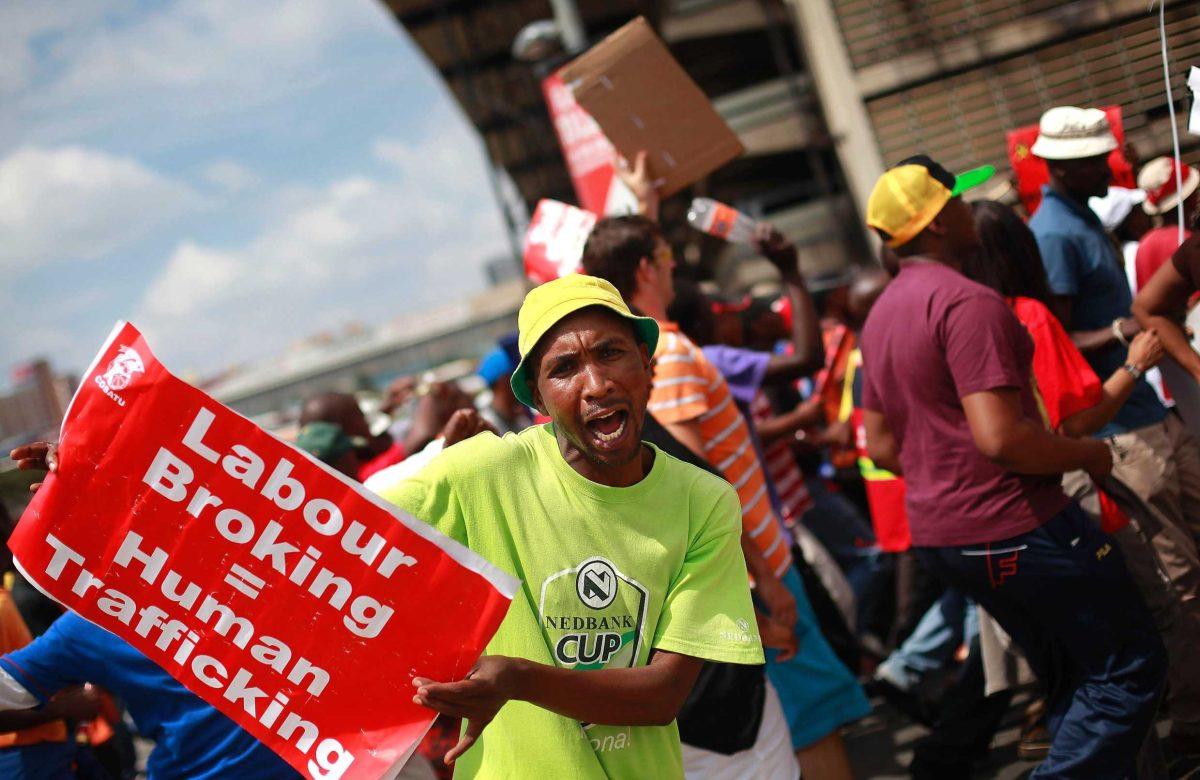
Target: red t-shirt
point(1156, 248)
point(933, 337)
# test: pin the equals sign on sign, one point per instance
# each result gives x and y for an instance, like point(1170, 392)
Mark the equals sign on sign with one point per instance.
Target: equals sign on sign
point(245, 581)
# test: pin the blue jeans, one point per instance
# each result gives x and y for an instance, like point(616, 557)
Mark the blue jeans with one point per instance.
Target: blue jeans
point(951, 622)
point(1062, 593)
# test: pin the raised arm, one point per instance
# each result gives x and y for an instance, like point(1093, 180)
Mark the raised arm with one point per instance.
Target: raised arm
point(808, 352)
point(1162, 304)
point(637, 178)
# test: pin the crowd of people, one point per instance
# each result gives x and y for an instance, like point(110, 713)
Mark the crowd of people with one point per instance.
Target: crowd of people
point(948, 475)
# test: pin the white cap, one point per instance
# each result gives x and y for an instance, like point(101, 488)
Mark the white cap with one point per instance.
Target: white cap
point(1157, 178)
point(1114, 207)
point(1070, 133)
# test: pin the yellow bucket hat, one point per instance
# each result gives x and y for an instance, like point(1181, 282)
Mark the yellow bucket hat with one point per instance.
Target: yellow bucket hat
point(546, 305)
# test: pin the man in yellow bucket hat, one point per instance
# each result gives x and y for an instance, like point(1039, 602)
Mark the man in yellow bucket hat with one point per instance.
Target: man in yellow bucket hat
point(630, 559)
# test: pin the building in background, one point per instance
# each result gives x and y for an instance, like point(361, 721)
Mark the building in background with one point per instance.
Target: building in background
point(367, 359)
point(744, 54)
point(34, 407)
point(823, 93)
point(951, 77)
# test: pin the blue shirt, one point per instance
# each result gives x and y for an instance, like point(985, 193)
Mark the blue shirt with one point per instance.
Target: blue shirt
point(1083, 265)
point(192, 739)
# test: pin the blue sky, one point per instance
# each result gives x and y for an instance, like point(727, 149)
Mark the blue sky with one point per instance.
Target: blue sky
point(228, 175)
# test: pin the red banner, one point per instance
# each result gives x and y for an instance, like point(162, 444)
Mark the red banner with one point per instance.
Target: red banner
point(555, 239)
point(278, 591)
point(1031, 172)
point(588, 152)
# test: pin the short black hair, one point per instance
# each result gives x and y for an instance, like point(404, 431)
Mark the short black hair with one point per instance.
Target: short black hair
point(1009, 261)
point(616, 247)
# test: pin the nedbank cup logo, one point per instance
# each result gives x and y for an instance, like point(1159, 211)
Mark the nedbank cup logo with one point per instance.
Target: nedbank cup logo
point(123, 368)
point(593, 615)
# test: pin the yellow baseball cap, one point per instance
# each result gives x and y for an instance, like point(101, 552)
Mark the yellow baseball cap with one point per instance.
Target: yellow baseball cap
point(909, 195)
point(546, 305)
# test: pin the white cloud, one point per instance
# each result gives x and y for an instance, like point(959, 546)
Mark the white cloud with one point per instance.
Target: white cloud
point(74, 202)
point(377, 246)
point(230, 175)
point(228, 48)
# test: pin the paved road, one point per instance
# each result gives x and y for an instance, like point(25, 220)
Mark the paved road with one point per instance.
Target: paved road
point(880, 746)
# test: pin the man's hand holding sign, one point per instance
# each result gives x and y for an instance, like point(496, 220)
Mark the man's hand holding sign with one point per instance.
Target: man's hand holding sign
point(281, 593)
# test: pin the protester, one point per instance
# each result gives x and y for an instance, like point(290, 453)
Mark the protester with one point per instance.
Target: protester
point(747, 372)
point(1120, 214)
point(498, 404)
point(1160, 460)
point(342, 409)
point(34, 744)
point(1161, 182)
point(1077, 404)
point(599, 526)
point(692, 401)
point(191, 738)
point(1164, 302)
point(948, 404)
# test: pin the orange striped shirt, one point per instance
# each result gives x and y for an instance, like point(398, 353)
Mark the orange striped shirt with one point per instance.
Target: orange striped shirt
point(687, 387)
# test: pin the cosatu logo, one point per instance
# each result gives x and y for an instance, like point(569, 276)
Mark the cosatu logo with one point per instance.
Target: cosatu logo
point(120, 373)
point(593, 616)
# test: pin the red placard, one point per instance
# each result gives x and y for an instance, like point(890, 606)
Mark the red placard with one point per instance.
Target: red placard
point(278, 591)
point(588, 152)
point(555, 239)
point(1031, 172)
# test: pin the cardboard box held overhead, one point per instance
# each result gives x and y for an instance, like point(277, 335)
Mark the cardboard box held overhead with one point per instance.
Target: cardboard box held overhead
point(643, 99)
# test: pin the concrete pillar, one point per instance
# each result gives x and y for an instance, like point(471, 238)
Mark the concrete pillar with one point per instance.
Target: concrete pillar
point(837, 86)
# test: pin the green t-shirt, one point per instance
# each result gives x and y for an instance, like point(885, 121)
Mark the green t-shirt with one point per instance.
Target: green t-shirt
point(607, 575)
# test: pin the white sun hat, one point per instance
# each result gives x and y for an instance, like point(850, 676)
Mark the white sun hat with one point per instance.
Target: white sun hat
point(1070, 133)
point(1114, 207)
point(1157, 178)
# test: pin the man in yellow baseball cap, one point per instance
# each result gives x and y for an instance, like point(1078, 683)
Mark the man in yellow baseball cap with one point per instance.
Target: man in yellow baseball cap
point(911, 196)
point(949, 403)
point(630, 560)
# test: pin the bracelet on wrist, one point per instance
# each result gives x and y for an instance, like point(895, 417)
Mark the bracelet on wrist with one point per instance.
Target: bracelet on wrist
point(1134, 371)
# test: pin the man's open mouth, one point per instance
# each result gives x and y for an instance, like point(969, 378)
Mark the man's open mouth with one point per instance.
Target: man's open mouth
point(607, 427)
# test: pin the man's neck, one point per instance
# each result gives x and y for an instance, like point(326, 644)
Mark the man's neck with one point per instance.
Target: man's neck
point(936, 258)
point(1066, 194)
point(650, 304)
point(623, 475)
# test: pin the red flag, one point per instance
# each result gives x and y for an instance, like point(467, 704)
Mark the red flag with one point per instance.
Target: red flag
point(280, 592)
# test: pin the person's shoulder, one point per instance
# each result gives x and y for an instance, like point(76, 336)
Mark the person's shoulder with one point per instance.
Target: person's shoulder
point(486, 452)
point(1031, 312)
point(82, 633)
point(702, 490)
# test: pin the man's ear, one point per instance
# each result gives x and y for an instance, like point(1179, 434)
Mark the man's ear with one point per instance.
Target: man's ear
point(936, 226)
point(537, 398)
point(645, 268)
